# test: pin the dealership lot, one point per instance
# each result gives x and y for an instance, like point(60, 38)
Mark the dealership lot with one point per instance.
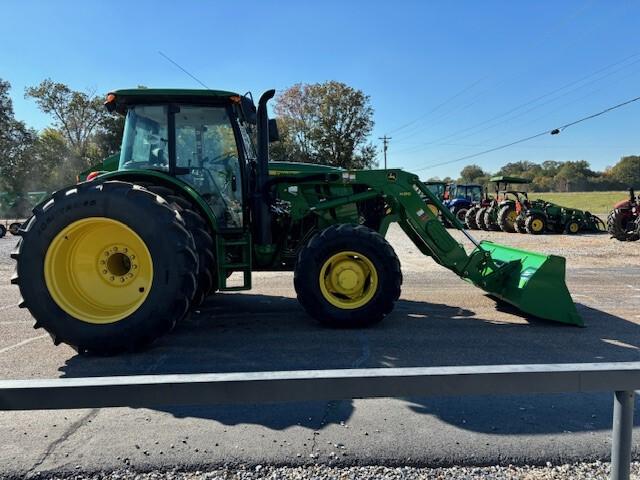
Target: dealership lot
point(439, 320)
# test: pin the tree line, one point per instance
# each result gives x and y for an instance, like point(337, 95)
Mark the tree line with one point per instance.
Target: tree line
point(569, 176)
point(326, 123)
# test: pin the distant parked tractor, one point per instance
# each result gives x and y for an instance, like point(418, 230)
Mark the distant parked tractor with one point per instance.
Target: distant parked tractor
point(437, 187)
point(501, 213)
point(470, 216)
point(541, 216)
point(462, 197)
point(623, 222)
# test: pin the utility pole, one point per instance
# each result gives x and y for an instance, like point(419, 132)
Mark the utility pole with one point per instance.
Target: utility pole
point(385, 143)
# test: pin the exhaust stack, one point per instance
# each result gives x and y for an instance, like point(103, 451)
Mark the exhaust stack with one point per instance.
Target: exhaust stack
point(261, 208)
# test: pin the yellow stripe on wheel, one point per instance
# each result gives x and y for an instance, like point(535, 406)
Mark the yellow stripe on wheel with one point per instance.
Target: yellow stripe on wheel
point(98, 270)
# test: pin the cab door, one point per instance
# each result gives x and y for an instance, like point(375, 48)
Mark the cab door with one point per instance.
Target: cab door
point(207, 158)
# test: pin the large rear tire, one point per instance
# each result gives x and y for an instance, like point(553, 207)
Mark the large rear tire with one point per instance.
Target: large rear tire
point(621, 226)
point(348, 276)
point(3, 230)
point(519, 225)
point(480, 218)
point(202, 236)
point(105, 267)
point(491, 219)
point(507, 218)
point(470, 218)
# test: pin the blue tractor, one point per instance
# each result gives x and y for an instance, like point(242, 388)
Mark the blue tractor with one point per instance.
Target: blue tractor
point(459, 198)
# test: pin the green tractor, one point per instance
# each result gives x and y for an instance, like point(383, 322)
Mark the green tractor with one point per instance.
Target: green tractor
point(501, 213)
point(437, 187)
point(111, 264)
point(539, 216)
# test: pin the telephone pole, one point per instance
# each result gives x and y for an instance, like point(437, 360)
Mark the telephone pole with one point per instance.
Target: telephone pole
point(385, 143)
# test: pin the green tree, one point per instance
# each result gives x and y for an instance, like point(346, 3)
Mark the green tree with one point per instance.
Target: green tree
point(627, 171)
point(16, 142)
point(471, 173)
point(327, 123)
point(77, 115)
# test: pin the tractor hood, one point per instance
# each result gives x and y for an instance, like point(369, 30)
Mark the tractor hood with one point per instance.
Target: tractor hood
point(294, 168)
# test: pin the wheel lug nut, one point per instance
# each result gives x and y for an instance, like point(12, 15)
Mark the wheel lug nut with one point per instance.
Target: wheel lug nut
point(104, 272)
point(112, 278)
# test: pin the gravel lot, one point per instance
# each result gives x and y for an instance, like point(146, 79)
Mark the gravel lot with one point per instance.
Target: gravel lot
point(440, 320)
point(583, 471)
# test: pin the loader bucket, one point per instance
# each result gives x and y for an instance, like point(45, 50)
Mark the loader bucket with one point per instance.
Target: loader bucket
point(532, 282)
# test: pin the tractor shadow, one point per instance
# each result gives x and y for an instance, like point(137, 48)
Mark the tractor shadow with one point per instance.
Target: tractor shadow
point(248, 332)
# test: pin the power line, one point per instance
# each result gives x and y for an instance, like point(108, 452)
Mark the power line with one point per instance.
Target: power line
point(457, 137)
point(184, 70)
point(553, 131)
point(385, 143)
point(475, 99)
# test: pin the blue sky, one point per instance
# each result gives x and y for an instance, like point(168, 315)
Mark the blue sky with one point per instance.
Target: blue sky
point(445, 78)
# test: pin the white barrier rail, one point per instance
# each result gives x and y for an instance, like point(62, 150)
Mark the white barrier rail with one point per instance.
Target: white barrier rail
point(260, 387)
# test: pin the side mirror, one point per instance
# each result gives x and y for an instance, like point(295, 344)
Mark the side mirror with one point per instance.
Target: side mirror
point(274, 135)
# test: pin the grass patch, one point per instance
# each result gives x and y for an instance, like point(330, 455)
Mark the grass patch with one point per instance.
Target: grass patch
point(595, 202)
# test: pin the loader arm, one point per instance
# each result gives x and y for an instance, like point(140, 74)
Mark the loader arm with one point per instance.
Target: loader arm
point(532, 282)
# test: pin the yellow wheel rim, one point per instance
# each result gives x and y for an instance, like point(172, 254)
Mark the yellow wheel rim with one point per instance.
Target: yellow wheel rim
point(98, 270)
point(348, 280)
point(536, 225)
point(511, 217)
point(574, 227)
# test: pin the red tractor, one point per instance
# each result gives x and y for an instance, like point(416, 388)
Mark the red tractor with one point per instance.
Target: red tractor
point(623, 222)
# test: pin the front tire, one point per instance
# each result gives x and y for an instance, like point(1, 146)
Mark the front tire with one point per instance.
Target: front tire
point(536, 224)
point(3, 230)
point(347, 276)
point(14, 228)
point(105, 267)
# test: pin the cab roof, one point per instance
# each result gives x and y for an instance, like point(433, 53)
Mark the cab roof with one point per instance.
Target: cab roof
point(171, 93)
point(119, 100)
point(507, 179)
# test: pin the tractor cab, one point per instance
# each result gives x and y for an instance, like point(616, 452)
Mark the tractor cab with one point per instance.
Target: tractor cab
point(202, 138)
point(438, 188)
point(469, 192)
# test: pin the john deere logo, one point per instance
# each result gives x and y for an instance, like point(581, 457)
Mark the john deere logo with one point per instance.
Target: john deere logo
point(391, 176)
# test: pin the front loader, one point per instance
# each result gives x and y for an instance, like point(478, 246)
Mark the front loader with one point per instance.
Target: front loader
point(110, 264)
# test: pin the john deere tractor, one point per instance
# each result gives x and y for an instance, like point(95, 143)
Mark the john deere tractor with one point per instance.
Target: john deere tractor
point(539, 216)
point(111, 264)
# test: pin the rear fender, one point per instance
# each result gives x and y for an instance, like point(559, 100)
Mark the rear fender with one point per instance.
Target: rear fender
point(162, 179)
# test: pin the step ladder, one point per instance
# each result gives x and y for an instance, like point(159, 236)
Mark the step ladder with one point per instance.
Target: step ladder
point(235, 244)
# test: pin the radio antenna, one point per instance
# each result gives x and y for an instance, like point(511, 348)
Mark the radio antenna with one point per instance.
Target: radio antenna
point(184, 70)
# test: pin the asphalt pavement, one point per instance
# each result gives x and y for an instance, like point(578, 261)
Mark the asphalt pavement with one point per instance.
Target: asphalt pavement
point(439, 320)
